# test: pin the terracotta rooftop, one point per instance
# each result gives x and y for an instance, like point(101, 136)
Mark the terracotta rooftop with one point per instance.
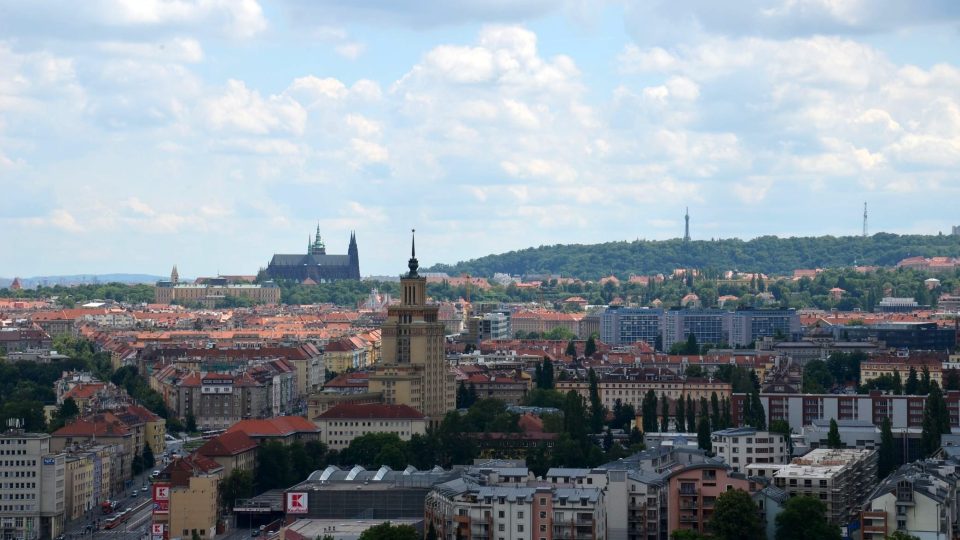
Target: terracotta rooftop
point(280, 426)
point(227, 444)
point(373, 410)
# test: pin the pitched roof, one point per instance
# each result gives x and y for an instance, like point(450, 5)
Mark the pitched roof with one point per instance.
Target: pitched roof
point(280, 426)
point(372, 410)
point(227, 444)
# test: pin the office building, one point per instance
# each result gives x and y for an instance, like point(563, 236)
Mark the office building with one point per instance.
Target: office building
point(414, 370)
point(32, 494)
point(713, 326)
point(623, 326)
point(751, 325)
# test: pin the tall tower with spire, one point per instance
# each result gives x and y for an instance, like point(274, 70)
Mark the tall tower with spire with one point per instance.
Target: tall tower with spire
point(686, 227)
point(174, 275)
point(413, 369)
point(354, 256)
point(864, 219)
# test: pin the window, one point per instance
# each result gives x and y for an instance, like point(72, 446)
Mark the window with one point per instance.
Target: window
point(519, 515)
point(519, 528)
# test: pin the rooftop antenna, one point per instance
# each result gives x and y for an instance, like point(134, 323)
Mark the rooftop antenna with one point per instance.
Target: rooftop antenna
point(864, 219)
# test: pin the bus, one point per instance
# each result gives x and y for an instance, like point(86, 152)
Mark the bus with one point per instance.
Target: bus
point(211, 433)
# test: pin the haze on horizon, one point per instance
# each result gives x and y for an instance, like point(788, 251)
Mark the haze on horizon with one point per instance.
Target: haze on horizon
point(138, 134)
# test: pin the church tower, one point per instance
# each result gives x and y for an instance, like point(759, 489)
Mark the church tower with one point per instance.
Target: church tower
point(174, 275)
point(354, 256)
point(413, 369)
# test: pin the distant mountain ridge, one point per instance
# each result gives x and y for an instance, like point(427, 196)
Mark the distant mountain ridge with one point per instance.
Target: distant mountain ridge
point(82, 279)
point(766, 254)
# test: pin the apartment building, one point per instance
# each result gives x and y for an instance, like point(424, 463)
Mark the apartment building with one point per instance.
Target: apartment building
point(739, 447)
point(466, 508)
point(512, 390)
point(693, 491)
point(32, 487)
point(343, 423)
point(632, 391)
point(841, 479)
point(192, 497)
point(234, 451)
point(78, 486)
point(877, 366)
point(919, 499)
point(215, 290)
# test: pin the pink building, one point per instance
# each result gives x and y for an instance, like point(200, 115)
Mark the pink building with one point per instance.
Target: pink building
point(693, 492)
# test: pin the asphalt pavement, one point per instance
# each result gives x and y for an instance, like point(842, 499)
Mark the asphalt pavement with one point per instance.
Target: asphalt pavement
point(90, 527)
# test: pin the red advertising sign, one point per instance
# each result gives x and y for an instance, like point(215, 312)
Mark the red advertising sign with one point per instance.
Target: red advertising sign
point(296, 503)
point(161, 498)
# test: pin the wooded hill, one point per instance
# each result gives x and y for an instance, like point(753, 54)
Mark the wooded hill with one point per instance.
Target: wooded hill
point(768, 254)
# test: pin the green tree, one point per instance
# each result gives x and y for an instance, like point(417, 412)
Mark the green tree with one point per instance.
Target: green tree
point(431, 532)
point(886, 457)
point(898, 383)
point(900, 535)
point(571, 349)
point(951, 379)
point(912, 385)
point(597, 410)
point(238, 485)
point(191, 423)
point(148, 458)
point(691, 346)
point(691, 416)
point(805, 518)
point(817, 378)
point(273, 467)
point(462, 398)
point(547, 374)
point(681, 414)
point(195, 535)
point(924, 387)
point(590, 348)
point(694, 371)
point(735, 517)
point(783, 427)
point(936, 421)
point(649, 411)
point(715, 410)
point(703, 434)
point(664, 413)
point(833, 436)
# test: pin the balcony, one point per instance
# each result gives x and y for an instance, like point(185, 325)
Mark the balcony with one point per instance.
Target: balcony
point(688, 490)
point(689, 518)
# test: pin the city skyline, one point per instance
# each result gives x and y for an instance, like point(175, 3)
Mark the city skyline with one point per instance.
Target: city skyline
point(212, 135)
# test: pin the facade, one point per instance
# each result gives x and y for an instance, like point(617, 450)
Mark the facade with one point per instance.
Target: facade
point(192, 495)
point(922, 336)
point(692, 494)
point(232, 451)
point(344, 354)
point(623, 326)
point(878, 366)
point(740, 447)
point(707, 325)
point(841, 479)
point(343, 423)
point(479, 504)
point(78, 486)
point(919, 499)
point(633, 391)
point(32, 481)
point(510, 390)
point(413, 370)
point(316, 266)
point(213, 291)
point(751, 325)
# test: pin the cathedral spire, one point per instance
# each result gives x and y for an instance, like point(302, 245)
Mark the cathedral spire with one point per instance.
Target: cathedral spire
point(174, 275)
point(413, 265)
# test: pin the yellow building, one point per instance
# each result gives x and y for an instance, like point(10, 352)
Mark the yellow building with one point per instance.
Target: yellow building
point(344, 354)
point(413, 369)
point(193, 496)
point(632, 392)
point(888, 365)
point(78, 493)
point(210, 293)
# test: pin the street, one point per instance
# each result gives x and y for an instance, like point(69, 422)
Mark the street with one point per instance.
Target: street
point(136, 526)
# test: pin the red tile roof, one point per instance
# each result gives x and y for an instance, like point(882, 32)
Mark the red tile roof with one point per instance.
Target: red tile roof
point(227, 444)
point(350, 410)
point(280, 426)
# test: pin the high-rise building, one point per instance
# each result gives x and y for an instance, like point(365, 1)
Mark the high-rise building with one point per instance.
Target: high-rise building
point(624, 326)
point(413, 369)
point(32, 490)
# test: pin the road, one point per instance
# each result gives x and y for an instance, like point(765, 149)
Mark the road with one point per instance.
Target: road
point(89, 528)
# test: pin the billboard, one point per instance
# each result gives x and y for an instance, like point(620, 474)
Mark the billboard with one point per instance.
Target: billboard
point(296, 503)
point(161, 498)
point(157, 530)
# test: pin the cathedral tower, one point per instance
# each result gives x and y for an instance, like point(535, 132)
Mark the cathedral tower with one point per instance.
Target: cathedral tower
point(413, 369)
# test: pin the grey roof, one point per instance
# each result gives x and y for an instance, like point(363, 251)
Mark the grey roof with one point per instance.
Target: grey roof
point(735, 432)
point(309, 260)
point(562, 471)
point(409, 477)
point(775, 493)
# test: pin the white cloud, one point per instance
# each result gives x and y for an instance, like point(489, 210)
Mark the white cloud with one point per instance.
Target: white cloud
point(244, 110)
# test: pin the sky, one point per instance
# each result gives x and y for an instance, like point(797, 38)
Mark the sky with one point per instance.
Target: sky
point(210, 134)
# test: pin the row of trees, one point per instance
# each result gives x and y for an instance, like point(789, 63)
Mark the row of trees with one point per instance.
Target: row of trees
point(736, 517)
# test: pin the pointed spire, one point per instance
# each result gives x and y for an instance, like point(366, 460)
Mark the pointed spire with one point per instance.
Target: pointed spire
point(413, 265)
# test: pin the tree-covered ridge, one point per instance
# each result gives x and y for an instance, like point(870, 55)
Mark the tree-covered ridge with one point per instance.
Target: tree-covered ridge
point(767, 254)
